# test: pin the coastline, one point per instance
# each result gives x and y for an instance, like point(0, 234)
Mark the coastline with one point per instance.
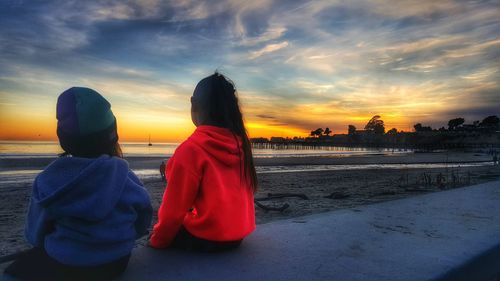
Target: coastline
point(153, 162)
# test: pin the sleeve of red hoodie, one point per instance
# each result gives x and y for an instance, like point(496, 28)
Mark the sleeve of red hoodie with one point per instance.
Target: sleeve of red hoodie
point(179, 196)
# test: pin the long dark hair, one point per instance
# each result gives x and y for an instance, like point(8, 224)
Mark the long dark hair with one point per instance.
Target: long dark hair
point(216, 102)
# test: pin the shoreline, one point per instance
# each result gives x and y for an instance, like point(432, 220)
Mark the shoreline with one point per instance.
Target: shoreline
point(153, 162)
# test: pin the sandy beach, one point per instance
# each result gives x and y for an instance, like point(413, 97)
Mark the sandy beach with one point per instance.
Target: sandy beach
point(323, 190)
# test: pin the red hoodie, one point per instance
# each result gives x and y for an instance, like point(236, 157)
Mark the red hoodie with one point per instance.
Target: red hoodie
point(204, 174)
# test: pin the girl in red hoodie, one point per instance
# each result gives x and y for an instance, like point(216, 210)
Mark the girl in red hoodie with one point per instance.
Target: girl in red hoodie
point(208, 203)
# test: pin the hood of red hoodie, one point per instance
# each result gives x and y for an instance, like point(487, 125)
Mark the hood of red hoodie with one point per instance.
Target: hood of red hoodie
point(220, 143)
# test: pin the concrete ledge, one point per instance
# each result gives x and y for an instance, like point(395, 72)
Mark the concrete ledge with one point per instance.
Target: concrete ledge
point(450, 235)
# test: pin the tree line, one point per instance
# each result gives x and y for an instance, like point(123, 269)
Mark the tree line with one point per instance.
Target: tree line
point(489, 123)
point(376, 126)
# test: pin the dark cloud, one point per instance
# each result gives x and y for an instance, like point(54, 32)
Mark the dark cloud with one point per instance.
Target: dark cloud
point(263, 116)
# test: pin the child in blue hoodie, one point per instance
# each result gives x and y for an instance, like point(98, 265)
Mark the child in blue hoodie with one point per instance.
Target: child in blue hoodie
point(87, 207)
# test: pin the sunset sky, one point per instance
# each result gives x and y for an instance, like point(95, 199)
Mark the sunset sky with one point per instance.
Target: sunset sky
point(297, 65)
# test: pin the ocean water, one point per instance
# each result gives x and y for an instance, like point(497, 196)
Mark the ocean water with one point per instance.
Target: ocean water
point(40, 149)
point(22, 149)
point(26, 149)
point(148, 173)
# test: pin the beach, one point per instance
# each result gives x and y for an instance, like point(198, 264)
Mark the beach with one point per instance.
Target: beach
point(317, 183)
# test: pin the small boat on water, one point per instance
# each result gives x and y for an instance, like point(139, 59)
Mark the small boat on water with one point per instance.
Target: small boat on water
point(150, 144)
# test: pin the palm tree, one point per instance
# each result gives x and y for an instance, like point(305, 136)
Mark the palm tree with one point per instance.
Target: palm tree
point(327, 131)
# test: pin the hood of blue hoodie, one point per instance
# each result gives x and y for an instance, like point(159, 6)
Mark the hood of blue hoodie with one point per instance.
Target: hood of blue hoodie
point(86, 188)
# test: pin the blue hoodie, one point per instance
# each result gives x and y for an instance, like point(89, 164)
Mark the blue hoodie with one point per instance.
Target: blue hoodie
point(87, 212)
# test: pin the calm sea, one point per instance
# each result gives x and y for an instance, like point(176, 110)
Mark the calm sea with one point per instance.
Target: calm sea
point(21, 149)
point(31, 149)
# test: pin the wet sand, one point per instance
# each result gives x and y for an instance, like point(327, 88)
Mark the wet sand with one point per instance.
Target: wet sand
point(39, 163)
point(350, 188)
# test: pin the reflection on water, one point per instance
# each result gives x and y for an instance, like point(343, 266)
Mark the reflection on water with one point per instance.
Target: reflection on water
point(146, 173)
point(33, 149)
point(29, 148)
point(18, 149)
point(17, 177)
point(309, 168)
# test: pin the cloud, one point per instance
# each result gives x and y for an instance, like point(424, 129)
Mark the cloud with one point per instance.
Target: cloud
point(481, 75)
point(264, 116)
point(270, 34)
point(268, 49)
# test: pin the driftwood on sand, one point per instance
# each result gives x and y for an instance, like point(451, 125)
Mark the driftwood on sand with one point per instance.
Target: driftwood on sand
point(271, 196)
